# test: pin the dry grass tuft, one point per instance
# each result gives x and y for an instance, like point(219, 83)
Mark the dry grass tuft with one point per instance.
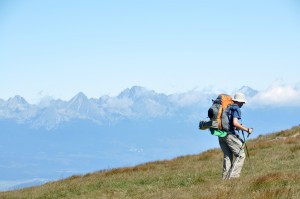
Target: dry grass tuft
point(269, 179)
point(208, 154)
point(295, 148)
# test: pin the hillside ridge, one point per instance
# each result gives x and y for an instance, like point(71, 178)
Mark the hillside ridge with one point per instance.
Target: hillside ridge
point(272, 171)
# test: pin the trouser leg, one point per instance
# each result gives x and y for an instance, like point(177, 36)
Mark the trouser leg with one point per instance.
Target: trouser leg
point(235, 146)
point(228, 157)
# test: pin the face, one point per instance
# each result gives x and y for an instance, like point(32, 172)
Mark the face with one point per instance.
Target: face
point(240, 104)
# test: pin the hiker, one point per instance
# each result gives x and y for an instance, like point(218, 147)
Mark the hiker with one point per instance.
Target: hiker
point(232, 143)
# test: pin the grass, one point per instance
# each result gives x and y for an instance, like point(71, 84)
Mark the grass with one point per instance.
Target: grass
point(273, 171)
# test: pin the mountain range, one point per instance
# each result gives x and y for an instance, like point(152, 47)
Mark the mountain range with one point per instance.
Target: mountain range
point(54, 139)
point(134, 103)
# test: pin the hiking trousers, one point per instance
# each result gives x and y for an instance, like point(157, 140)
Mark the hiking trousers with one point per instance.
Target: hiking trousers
point(231, 146)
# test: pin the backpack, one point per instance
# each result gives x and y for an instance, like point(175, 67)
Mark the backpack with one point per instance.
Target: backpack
point(218, 114)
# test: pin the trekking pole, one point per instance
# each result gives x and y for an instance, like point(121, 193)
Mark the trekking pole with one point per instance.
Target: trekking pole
point(228, 176)
point(246, 145)
point(247, 150)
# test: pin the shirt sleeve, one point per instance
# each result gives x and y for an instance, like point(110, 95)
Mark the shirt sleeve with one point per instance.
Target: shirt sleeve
point(236, 113)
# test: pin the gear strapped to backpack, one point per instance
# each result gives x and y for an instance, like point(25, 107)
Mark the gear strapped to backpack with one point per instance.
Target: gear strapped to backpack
point(218, 114)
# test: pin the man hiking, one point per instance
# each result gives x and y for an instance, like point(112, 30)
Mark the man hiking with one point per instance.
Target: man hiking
point(232, 144)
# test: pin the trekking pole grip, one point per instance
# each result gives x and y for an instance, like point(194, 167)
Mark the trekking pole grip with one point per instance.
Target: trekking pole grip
point(249, 131)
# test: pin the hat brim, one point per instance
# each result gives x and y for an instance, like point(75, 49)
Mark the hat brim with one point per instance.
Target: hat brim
point(237, 100)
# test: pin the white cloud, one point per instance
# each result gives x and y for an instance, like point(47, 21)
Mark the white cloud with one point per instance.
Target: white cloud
point(191, 98)
point(154, 108)
point(45, 101)
point(278, 94)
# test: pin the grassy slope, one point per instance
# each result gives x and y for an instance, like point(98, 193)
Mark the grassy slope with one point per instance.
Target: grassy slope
point(272, 172)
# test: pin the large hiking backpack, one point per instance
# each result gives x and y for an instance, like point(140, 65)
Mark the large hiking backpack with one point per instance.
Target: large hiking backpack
point(218, 114)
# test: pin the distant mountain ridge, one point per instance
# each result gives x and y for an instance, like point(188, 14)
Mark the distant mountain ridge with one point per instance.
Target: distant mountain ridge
point(132, 103)
point(249, 92)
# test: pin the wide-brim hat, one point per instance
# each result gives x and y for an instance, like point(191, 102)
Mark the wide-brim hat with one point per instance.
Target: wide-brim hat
point(239, 97)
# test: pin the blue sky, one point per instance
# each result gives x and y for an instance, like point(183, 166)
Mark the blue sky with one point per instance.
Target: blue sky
point(59, 48)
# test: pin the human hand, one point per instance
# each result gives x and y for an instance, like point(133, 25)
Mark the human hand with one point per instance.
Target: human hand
point(250, 130)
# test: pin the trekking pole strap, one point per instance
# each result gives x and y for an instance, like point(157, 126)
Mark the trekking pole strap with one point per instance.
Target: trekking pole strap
point(244, 136)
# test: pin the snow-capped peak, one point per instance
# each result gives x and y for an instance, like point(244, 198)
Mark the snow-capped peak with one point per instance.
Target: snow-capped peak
point(249, 92)
point(17, 103)
point(79, 98)
point(135, 92)
point(79, 103)
point(17, 100)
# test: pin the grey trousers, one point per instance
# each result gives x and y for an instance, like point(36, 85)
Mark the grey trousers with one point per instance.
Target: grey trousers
point(231, 146)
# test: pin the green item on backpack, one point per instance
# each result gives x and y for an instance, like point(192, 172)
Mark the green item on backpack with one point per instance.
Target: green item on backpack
point(218, 132)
